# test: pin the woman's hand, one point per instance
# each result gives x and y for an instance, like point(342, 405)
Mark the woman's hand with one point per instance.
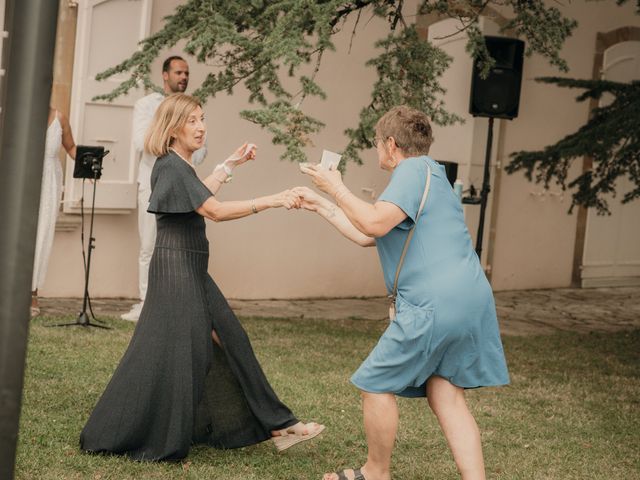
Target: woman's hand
point(246, 152)
point(287, 199)
point(329, 181)
point(309, 200)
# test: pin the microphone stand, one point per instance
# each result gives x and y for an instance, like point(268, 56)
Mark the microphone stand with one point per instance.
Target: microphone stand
point(83, 318)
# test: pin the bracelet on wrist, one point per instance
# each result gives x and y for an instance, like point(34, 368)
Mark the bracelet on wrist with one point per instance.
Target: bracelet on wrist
point(223, 166)
point(227, 178)
point(221, 181)
point(253, 206)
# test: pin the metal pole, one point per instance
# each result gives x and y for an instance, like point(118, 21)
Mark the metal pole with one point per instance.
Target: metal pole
point(486, 188)
point(84, 319)
point(25, 97)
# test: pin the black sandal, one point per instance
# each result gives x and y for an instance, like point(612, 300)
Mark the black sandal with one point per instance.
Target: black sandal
point(357, 475)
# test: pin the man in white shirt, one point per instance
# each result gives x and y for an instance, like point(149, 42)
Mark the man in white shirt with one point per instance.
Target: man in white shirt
point(175, 76)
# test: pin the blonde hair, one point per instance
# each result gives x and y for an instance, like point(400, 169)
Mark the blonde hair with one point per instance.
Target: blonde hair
point(410, 128)
point(170, 117)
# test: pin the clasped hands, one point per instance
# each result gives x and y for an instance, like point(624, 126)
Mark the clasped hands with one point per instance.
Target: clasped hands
point(326, 180)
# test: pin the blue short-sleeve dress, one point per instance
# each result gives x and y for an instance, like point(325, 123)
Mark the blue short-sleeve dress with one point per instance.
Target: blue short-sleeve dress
point(446, 322)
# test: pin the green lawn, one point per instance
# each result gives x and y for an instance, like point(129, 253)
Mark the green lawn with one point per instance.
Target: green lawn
point(571, 412)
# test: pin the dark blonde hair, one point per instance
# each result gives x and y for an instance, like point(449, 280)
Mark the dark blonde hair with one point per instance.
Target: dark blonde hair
point(409, 127)
point(170, 118)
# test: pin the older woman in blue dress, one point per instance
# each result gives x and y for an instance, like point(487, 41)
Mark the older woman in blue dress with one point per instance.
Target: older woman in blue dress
point(444, 335)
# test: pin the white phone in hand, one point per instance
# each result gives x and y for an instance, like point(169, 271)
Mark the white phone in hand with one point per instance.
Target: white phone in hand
point(330, 159)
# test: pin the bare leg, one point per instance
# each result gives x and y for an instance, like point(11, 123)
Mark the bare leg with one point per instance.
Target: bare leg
point(458, 425)
point(380, 411)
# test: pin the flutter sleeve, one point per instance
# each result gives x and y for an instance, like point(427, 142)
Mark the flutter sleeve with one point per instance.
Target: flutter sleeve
point(175, 187)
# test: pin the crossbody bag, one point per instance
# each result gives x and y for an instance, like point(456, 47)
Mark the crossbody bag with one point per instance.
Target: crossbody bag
point(394, 293)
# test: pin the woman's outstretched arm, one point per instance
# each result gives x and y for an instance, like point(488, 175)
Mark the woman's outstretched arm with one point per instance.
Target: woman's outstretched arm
point(373, 220)
point(219, 176)
point(231, 210)
point(334, 215)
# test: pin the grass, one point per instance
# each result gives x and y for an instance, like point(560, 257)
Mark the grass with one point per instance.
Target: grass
point(571, 412)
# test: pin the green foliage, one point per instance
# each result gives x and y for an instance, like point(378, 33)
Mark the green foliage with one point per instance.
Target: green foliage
point(533, 15)
point(620, 2)
point(402, 80)
point(275, 49)
point(288, 125)
point(611, 138)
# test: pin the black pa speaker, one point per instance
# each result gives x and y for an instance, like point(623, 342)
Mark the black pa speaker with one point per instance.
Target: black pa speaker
point(498, 95)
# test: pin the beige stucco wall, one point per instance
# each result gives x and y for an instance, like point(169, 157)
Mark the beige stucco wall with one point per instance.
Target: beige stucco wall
point(535, 235)
point(273, 254)
point(295, 254)
point(529, 238)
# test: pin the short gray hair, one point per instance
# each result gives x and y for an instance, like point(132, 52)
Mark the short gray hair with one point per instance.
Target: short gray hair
point(410, 128)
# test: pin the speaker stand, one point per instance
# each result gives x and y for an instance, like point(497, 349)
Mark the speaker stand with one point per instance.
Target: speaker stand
point(486, 188)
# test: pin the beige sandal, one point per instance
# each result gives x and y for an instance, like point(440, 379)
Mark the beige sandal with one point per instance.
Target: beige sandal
point(35, 311)
point(357, 475)
point(288, 439)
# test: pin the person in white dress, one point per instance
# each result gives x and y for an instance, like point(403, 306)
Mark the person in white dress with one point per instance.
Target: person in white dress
point(58, 134)
point(175, 78)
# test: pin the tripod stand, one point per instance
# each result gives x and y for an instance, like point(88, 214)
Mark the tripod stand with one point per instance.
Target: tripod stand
point(482, 199)
point(83, 318)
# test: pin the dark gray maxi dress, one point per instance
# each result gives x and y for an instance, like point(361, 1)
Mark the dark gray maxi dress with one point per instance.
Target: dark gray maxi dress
point(174, 386)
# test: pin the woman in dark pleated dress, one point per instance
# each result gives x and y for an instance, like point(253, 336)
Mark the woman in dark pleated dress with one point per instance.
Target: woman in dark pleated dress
point(189, 374)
